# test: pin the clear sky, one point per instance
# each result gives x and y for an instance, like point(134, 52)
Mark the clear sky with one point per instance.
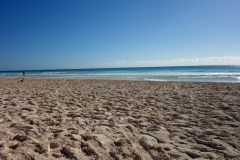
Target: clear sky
point(72, 34)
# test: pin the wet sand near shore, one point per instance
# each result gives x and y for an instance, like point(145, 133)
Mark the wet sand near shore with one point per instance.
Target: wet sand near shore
point(113, 119)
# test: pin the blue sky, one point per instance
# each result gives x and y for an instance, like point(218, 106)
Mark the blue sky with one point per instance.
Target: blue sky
point(59, 34)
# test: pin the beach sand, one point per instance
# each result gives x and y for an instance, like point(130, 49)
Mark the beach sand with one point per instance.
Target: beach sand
point(113, 119)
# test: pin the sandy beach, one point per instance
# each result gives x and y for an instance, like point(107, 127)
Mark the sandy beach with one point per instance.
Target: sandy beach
point(113, 119)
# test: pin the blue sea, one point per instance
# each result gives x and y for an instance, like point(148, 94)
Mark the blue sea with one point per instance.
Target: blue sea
point(175, 73)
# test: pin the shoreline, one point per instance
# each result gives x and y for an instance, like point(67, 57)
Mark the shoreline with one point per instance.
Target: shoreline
point(47, 118)
point(115, 79)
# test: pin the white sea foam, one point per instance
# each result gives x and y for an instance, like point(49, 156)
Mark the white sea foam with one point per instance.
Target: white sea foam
point(147, 79)
point(167, 74)
point(148, 76)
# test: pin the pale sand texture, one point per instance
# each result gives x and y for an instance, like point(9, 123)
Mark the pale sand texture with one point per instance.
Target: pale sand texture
point(104, 119)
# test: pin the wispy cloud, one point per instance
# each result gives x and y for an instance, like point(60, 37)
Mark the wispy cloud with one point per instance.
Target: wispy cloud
point(172, 62)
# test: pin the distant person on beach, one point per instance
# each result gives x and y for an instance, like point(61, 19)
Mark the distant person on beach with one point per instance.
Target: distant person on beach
point(172, 69)
point(41, 71)
point(23, 73)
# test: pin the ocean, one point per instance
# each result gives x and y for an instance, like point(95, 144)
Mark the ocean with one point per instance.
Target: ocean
point(175, 73)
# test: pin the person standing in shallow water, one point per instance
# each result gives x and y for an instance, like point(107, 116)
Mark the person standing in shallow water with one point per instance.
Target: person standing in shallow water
point(23, 73)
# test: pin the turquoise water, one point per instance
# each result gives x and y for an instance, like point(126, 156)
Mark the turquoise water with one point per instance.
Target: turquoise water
point(176, 73)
